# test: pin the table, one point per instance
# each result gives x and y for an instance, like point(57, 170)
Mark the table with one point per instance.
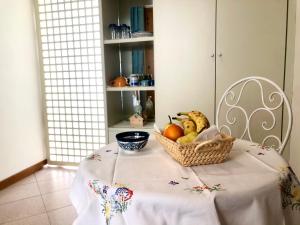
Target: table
point(254, 186)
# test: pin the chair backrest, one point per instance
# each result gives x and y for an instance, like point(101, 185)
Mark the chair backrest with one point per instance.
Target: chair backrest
point(231, 101)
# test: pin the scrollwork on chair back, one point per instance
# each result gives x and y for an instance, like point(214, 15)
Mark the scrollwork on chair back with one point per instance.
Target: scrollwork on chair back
point(231, 101)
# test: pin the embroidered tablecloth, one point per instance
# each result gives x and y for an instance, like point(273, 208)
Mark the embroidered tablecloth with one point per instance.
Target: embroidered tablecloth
point(254, 186)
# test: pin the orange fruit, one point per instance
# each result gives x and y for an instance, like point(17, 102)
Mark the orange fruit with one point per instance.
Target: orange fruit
point(173, 131)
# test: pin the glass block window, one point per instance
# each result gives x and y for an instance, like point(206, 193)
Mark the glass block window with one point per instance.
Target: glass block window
point(72, 66)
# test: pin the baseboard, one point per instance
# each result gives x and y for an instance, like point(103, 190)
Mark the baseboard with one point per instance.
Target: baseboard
point(24, 173)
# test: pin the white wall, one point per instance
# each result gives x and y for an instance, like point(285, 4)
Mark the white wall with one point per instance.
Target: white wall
point(295, 137)
point(21, 126)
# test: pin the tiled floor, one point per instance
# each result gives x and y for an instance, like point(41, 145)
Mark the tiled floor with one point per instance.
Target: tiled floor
point(40, 199)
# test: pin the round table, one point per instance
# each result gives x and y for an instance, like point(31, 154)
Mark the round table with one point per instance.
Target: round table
point(254, 185)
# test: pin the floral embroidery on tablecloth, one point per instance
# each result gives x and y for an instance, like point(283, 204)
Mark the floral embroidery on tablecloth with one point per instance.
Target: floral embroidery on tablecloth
point(115, 199)
point(172, 182)
point(267, 148)
point(290, 188)
point(201, 188)
point(95, 156)
point(263, 148)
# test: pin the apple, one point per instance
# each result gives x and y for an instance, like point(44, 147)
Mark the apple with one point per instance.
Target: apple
point(173, 131)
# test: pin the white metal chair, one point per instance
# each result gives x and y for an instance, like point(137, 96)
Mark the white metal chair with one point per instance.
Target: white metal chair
point(231, 102)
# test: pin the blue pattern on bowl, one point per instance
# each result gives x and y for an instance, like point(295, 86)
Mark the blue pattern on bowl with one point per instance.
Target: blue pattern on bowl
point(132, 140)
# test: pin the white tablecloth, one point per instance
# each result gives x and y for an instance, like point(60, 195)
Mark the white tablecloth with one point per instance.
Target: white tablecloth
point(255, 186)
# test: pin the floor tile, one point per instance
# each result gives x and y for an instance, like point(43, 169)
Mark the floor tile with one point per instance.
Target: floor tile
point(17, 192)
point(51, 173)
point(21, 209)
point(49, 186)
point(63, 216)
point(33, 220)
point(27, 180)
point(56, 199)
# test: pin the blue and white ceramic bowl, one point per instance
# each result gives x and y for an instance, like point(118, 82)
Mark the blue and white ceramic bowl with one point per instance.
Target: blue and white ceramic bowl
point(132, 141)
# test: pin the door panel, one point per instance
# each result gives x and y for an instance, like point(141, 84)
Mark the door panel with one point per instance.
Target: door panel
point(251, 42)
point(73, 83)
point(184, 66)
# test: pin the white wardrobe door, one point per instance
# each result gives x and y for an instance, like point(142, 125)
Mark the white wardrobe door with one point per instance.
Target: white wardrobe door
point(251, 42)
point(184, 57)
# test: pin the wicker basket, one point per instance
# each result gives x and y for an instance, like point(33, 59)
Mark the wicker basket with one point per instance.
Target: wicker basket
point(198, 153)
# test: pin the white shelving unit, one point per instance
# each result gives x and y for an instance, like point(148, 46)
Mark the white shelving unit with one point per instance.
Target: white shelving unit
point(129, 40)
point(118, 61)
point(124, 124)
point(128, 88)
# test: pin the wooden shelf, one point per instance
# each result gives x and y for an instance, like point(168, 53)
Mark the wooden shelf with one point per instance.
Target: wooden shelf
point(125, 125)
point(128, 40)
point(127, 88)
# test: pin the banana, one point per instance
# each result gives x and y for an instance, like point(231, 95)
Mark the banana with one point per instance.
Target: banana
point(187, 138)
point(199, 118)
point(188, 124)
point(295, 192)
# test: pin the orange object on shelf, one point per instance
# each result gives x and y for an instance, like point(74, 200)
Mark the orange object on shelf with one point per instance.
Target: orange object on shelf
point(120, 81)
